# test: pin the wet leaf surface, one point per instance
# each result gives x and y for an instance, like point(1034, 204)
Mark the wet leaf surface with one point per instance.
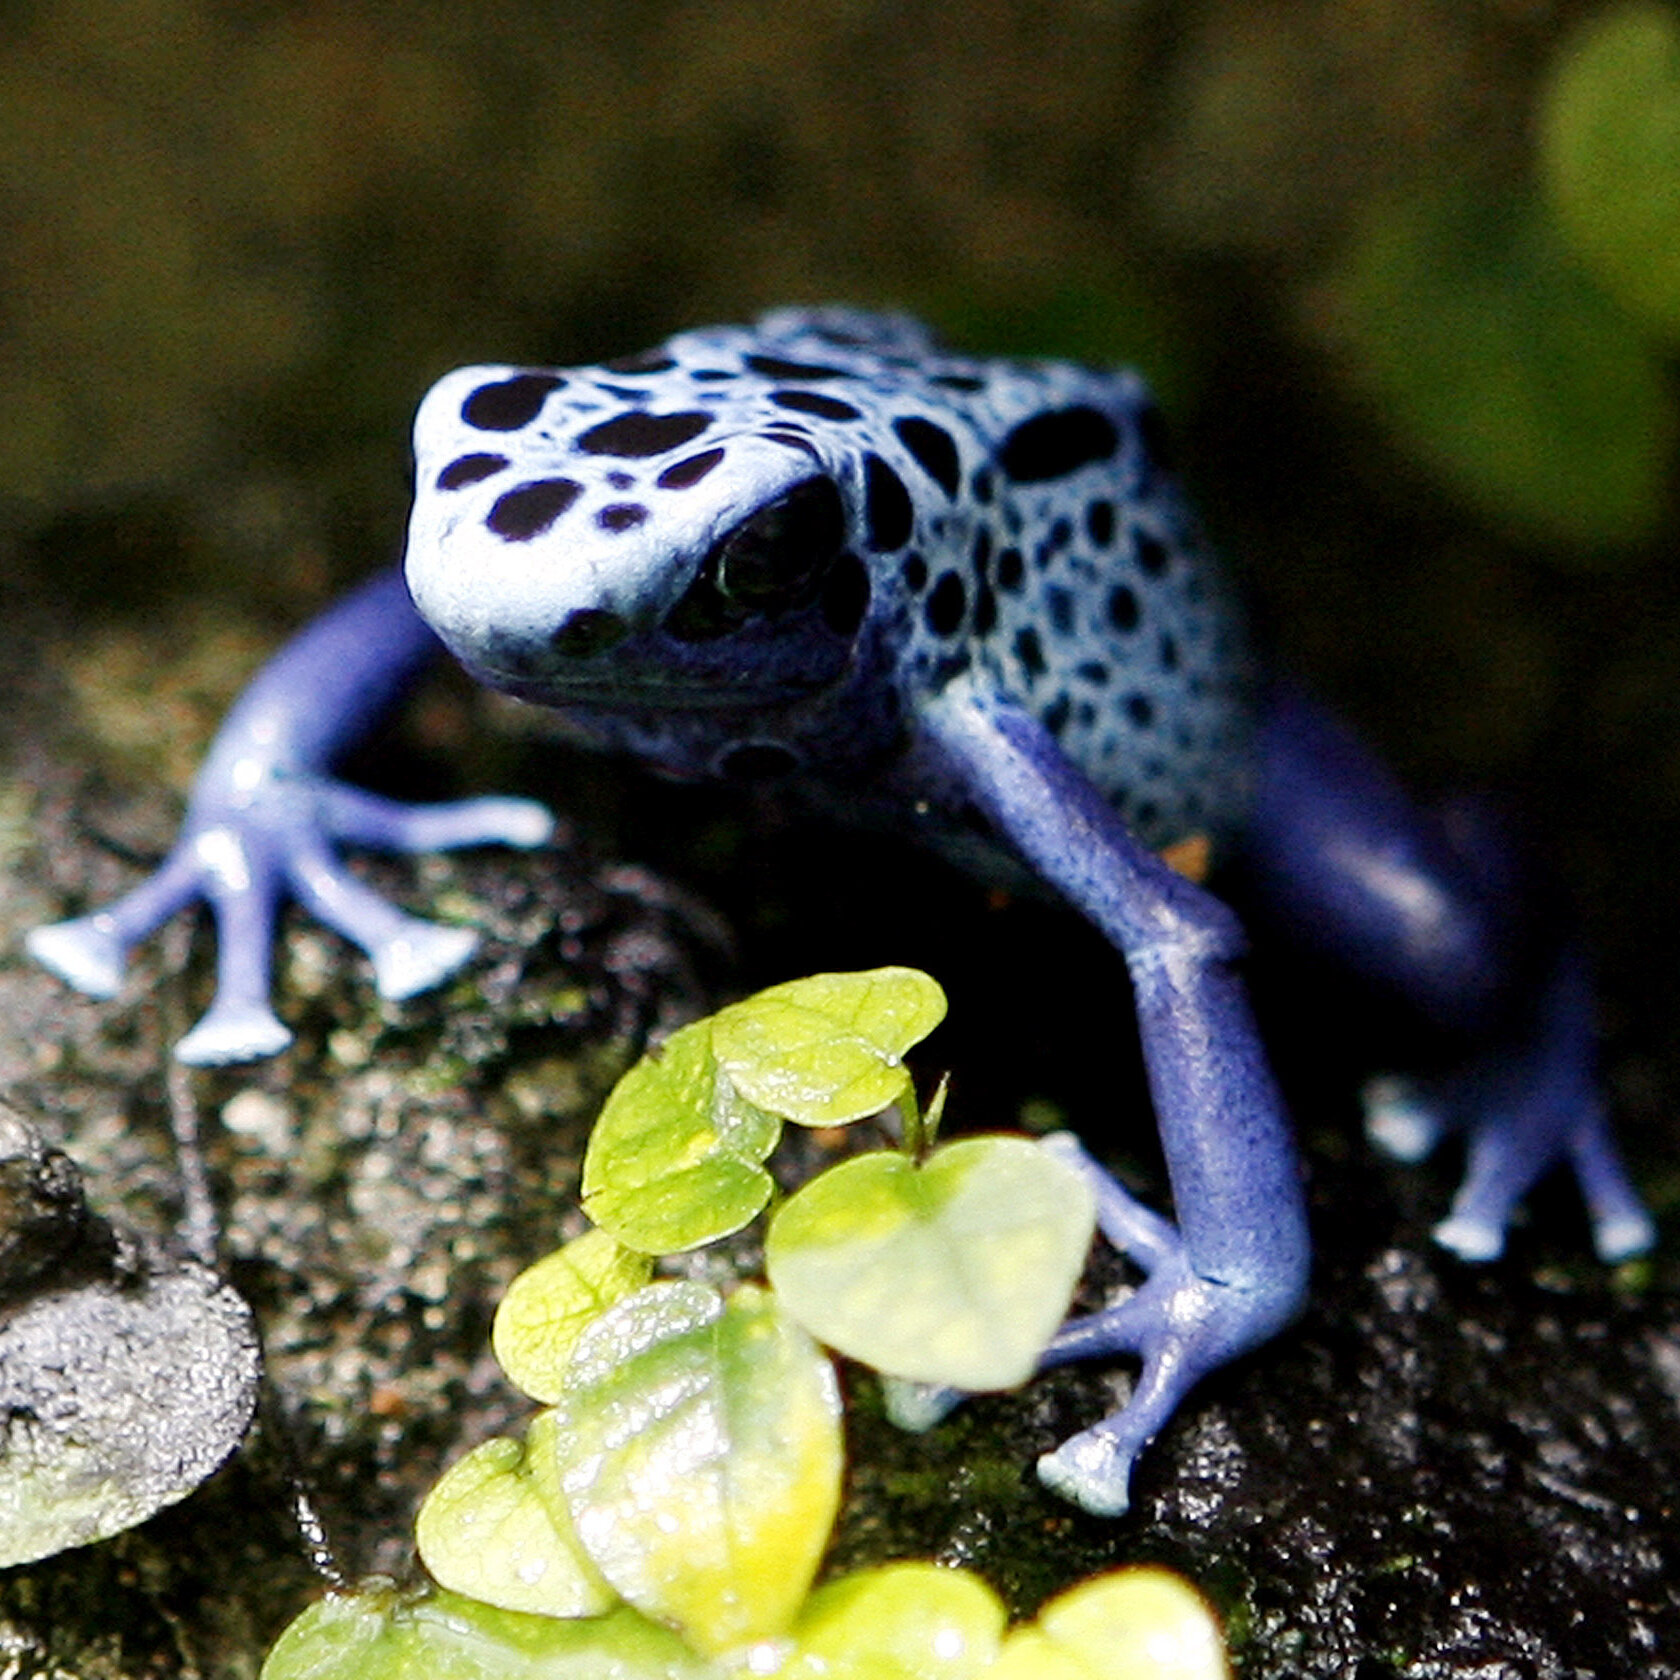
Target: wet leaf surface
point(547, 1307)
point(486, 1530)
point(380, 1635)
point(828, 1049)
point(697, 1450)
point(904, 1621)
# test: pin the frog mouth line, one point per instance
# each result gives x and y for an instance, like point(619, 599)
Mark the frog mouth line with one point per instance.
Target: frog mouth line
point(551, 688)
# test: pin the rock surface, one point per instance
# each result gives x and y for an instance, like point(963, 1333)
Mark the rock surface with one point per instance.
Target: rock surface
point(1441, 1471)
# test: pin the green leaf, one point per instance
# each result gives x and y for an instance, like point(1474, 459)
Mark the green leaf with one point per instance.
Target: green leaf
point(674, 1160)
point(380, 1634)
point(485, 1530)
point(547, 1306)
point(828, 1049)
point(1505, 371)
point(957, 1271)
point(1610, 154)
point(1029, 1654)
point(904, 1621)
point(1132, 1624)
point(698, 1452)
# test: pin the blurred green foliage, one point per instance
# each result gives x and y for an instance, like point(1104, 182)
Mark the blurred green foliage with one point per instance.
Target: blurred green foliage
point(1610, 155)
point(238, 240)
point(1495, 360)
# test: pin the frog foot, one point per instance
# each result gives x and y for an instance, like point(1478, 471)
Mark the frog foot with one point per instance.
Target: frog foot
point(245, 858)
point(1182, 1326)
point(1511, 1148)
point(1525, 1110)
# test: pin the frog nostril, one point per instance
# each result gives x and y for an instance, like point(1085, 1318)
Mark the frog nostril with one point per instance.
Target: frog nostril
point(589, 631)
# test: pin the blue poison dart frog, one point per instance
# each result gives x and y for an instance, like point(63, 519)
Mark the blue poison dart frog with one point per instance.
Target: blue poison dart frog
point(966, 592)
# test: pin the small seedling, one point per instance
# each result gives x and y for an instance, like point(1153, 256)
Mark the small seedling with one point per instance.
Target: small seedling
point(664, 1517)
point(950, 1265)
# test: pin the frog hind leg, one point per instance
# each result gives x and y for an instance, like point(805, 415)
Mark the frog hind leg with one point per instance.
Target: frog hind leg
point(1437, 906)
point(1231, 1269)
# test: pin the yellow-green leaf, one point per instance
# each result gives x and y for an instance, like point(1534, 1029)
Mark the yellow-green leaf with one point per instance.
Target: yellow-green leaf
point(378, 1633)
point(955, 1271)
point(828, 1049)
point(698, 1453)
point(903, 1621)
point(486, 1531)
point(674, 1160)
point(1132, 1624)
point(547, 1306)
point(1029, 1654)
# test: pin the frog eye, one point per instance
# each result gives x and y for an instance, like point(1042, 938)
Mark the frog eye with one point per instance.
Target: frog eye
point(704, 614)
point(777, 558)
point(772, 561)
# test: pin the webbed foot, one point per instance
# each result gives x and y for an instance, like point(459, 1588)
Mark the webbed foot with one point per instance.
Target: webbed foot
point(1181, 1323)
point(1525, 1109)
point(244, 856)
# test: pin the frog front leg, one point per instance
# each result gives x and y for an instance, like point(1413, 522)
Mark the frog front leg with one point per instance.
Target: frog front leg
point(1233, 1268)
point(264, 820)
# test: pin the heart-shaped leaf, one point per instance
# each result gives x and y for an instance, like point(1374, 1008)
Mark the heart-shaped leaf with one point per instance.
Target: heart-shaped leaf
point(956, 1271)
point(828, 1049)
point(698, 1453)
point(1131, 1624)
point(674, 1160)
point(486, 1531)
point(380, 1634)
point(548, 1305)
point(904, 1621)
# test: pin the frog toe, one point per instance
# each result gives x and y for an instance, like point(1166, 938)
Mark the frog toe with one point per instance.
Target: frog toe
point(1620, 1237)
point(418, 956)
point(85, 953)
point(360, 818)
point(1471, 1237)
point(91, 952)
point(1622, 1228)
point(1092, 1471)
point(1399, 1119)
point(408, 955)
point(916, 1407)
point(233, 1031)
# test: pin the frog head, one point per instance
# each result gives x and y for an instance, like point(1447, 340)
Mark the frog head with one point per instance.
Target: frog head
point(598, 539)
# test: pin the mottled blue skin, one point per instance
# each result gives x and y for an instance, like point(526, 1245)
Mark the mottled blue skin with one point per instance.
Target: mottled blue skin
point(963, 594)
